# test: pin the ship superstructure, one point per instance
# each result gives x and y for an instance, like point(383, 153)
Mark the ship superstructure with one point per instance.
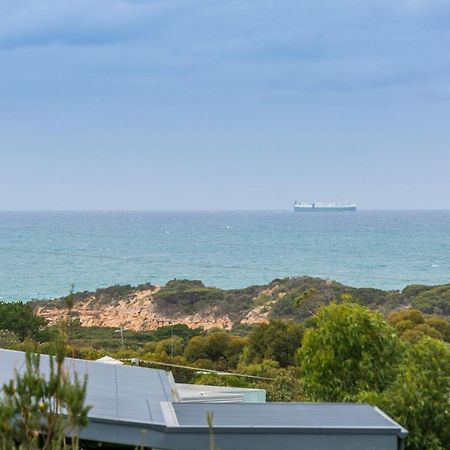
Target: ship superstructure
point(321, 206)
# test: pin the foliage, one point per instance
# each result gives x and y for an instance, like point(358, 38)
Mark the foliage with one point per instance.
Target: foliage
point(220, 347)
point(299, 297)
point(178, 329)
point(36, 412)
point(20, 318)
point(110, 295)
point(107, 339)
point(419, 398)
point(266, 368)
point(286, 387)
point(197, 348)
point(296, 298)
point(277, 340)
point(212, 379)
point(440, 324)
point(170, 346)
point(186, 296)
point(412, 325)
point(429, 299)
point(350, 350)
point(192, 296)
point(340, 351)
point(8, 339)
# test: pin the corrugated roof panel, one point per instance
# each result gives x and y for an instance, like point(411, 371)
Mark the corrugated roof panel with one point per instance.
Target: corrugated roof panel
point(128, 400)
point(302, 415)
point(125, 393)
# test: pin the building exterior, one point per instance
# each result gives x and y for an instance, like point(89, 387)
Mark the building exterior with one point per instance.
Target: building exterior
point(140, 406)
point(197, 393)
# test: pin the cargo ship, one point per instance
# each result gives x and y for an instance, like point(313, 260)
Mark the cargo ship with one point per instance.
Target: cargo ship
point(323, 207)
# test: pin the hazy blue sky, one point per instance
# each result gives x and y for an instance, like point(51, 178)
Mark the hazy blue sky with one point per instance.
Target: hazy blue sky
point(186, 104)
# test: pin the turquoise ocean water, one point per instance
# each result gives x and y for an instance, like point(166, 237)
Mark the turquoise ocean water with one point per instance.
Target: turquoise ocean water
point(43, 253)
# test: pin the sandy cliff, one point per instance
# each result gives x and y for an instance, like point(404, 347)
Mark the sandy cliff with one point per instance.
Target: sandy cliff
point(190, 302)
point(138, 311)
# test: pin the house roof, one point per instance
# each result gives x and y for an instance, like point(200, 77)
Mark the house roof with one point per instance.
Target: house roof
point(322, 416)
point(108, 360)
point(202, 393)
point(115, 392)
point(134, 405)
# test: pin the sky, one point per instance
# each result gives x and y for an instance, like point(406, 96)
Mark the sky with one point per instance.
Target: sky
point(237, 104)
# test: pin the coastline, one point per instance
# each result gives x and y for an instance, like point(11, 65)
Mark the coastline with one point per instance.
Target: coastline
point(190, 302)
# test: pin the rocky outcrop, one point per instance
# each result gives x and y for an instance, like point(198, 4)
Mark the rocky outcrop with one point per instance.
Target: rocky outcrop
point(190, 302)
point(137, 311)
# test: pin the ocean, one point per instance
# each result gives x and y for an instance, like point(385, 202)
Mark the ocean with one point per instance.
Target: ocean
point(43, 253)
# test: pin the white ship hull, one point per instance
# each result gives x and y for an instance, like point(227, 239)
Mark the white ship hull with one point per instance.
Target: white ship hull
point(324, 207)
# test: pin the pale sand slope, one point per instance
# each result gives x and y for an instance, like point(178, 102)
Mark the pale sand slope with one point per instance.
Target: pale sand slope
point(137, 311)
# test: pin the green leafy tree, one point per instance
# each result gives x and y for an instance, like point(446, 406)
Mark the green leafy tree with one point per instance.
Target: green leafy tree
point(286, 387)
point(442, 325)
point(277, 340)
point(197, 348)
point(235, 347)
point(220, 347)
point(428, 299)
point(8, 339)
point(171, 346)
point(267, 368)
point(413, 325)
point(350, 350)
point(20, 318)
point(419, 398)
point(38, 411)
point(217, 344)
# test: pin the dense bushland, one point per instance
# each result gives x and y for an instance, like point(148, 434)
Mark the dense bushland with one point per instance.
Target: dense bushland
point(333, 347)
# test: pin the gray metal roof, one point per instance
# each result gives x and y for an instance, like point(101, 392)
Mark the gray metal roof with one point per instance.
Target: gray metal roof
point(116, 392)
point(296, 415)
point(134, 406)
point(208, 394)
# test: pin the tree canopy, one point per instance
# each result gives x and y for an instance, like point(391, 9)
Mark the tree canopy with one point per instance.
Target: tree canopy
point(413, 325)
point(20, 319)
point(350, 350)
point(277, 340)
point(419, 398)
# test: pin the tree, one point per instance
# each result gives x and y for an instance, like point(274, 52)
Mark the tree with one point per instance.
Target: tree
point(413, 325)
point(218, 346)
point(36, 412)
point(236, 345)
point(197, 348)
point(433, 300)
point(442, 325)
point(178, 329)
point(286, 387)
point(350, 350)
point(8, 339)
point(20, 318)
point(277, 340)
point(419, 398)
point(171, 346)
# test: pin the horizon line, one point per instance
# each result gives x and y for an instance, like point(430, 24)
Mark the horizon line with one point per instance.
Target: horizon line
point(199, 210)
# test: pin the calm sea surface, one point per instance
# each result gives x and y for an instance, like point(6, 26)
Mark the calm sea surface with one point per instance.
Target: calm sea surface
point(43, 253)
